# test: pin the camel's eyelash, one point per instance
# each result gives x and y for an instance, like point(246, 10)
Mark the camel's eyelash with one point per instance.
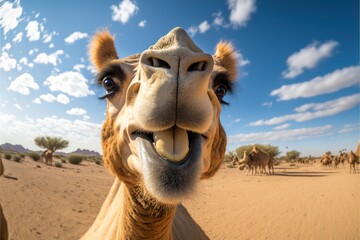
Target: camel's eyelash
point(113, 70)
point(223, 79)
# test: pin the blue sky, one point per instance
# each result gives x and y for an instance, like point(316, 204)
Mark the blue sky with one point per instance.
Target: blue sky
point(298, 87)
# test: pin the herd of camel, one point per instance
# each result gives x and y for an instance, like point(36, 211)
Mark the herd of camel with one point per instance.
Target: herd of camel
point(258, 159)
point(331, 161)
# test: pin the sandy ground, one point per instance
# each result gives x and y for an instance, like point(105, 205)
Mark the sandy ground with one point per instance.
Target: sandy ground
point(299, 202)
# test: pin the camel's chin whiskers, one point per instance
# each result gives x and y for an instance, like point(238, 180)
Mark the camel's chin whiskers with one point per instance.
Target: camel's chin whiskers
point(167, 181)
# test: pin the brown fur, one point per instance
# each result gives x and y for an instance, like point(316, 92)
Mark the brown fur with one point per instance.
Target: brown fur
point(102, 49)
point(227, 56)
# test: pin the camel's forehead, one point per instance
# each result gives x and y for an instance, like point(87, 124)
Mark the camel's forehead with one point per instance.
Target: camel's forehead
point(176, 38)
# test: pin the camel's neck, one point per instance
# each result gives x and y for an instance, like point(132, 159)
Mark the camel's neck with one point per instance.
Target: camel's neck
point(143, 218)
point(126, 215)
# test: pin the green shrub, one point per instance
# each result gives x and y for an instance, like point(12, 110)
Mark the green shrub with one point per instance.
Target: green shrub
point(58, 164)
point(97, 162)
point(34, 156)
point(7, 156)
point(75, 158)
point(17, 158)
point(22, 155)
point(63, 160)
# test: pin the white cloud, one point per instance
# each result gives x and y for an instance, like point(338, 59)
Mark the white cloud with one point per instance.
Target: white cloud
point(81, 134)
point(332, 82)
point(241, 59)
point(142, 23)
point(203, 27)
point(124, 11)
point(7, 63)
point(32, 51)
point(10, 14)
point(53, 58)
point(32, 31)
point(23, 84)
point(61, 98)
point(314, 110)
point(267, 104)
point(78, 67)
point(6, 47)
point(91, 69)
point(281, 127)
point(71, 83)
point(282, 135)
point(218, 19)
point(25, 62)
point(192, 31)
point(18, 106)
point(308, 58)
point(48, 36)
point(76, 111)
point(75, 36)
point(350, 128)
point(37, 101)
point(51, 45)
point(18, 37)
point(240, 11)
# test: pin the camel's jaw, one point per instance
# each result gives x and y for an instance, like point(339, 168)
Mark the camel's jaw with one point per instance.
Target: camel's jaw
point(169, 181)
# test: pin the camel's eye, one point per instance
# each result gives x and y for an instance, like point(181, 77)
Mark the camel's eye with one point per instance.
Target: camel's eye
point(220, 92)
point(109, 86)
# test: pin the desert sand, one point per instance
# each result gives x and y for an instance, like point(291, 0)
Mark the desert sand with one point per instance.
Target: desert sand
point(298, 202)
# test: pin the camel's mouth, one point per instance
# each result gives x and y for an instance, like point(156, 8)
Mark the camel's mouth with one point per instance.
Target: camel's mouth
point(171, 145)
point(171, 162)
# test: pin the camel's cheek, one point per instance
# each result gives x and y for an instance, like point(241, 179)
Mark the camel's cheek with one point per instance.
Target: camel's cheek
point(216, 153)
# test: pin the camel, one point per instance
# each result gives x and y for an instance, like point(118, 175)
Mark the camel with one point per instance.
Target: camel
point(263, 158)
point(3, 222)
point(353, 160)
point(248, 161)
point(162, 132)
point(46, 156)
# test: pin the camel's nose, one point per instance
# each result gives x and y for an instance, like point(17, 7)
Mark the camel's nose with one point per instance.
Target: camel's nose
point(182, 63)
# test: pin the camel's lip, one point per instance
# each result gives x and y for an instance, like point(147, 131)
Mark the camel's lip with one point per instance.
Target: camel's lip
point(170, 182)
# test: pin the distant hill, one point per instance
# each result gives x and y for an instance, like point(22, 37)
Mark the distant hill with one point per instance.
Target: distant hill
point(14, 148)
point(86, 152)
point(21, 149)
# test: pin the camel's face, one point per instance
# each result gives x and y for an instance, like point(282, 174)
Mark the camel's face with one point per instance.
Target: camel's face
point(162, 130)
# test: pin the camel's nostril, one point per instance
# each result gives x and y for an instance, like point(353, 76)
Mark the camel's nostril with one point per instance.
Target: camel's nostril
point(158, 63)
point(198, 66)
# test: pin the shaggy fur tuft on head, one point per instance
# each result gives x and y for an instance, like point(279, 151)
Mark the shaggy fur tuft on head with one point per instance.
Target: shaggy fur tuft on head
point(102, 49)
point(226, 53)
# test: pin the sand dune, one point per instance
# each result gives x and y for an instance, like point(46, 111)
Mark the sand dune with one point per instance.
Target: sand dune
point(299, 202)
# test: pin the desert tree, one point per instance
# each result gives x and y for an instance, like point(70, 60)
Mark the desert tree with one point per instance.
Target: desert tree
point(51, 144)
point(273, 151)
point(292, 155)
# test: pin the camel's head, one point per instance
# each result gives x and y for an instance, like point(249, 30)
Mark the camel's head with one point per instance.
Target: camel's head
point(246, 158)
point(162, 130)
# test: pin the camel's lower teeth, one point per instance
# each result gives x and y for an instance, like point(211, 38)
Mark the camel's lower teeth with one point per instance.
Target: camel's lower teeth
point(172, 144)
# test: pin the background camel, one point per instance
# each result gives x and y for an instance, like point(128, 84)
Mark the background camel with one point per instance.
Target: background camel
point(162, 132)
point(353, 161)
point(3, 222)
point(46, 157)
point(263, 158)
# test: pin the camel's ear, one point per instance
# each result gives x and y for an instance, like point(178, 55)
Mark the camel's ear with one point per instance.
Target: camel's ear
point(226, 54)
point(102, 49)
